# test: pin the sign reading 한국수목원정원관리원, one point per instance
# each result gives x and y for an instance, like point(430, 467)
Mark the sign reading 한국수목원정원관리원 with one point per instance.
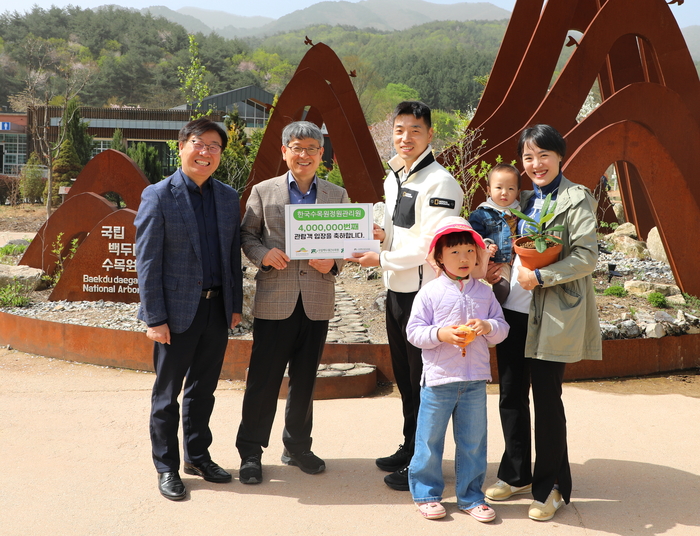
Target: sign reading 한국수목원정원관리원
point(104, 267)
point(321, 231)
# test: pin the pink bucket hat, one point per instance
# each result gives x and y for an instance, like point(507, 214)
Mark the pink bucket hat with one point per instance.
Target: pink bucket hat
point(456, 224)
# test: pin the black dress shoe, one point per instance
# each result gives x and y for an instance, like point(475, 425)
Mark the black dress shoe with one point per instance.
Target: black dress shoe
point(170, 486)
point(306, 461)
point(394, 462)
point(209, 471)
point(251, 470)
point(398, 480)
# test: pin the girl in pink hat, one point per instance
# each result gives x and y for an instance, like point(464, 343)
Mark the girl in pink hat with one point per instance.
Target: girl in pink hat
point(447, 313)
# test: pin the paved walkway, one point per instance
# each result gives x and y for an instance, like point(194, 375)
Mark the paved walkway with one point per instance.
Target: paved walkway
point(75, 453)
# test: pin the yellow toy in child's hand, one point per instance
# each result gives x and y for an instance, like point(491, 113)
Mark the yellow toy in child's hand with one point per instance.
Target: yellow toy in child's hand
point(469, 335)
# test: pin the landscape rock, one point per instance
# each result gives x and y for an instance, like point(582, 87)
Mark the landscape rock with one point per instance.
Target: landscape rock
point(663, 316)
point(619, 211)
point(676, 299)
point(643, 288)
point(30, 278)
point(627, 245)
point(626, 229)
point(656, 247)
point(380, 303)
point(609, 331)
point(629, 329)
point(654, 331)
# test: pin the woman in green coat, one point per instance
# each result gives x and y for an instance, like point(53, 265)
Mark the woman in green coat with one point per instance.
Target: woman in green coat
point(553, 321)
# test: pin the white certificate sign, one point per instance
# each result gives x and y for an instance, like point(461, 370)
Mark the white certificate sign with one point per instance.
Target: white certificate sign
point(320, 231)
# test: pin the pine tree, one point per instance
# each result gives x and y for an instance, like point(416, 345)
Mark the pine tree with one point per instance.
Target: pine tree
point(77, 132)
point(118, 141)
point(66, 168)
point(234, 166)
point(147, 158)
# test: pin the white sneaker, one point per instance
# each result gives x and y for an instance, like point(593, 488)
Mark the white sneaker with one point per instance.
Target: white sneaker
point(502, 491)
point(545, 511)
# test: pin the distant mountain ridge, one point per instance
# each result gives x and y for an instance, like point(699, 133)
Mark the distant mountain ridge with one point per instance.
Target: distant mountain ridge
point(692, 39)
point(384, 15)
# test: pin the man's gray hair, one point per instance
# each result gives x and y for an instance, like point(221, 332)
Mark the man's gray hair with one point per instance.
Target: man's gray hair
point(301, 130)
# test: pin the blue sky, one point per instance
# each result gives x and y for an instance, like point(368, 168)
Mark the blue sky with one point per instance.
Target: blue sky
point(688, 14)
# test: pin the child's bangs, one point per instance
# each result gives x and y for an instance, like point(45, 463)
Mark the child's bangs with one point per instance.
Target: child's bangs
point(454, 239)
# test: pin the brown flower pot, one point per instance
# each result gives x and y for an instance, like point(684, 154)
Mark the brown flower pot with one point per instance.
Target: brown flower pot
point(531, 258)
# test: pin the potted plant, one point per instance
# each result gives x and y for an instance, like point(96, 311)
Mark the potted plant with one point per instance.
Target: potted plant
point(536, 247)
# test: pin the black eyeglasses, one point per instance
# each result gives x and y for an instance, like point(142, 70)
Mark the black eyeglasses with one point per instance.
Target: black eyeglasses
point(213, 148)
point(311, 151)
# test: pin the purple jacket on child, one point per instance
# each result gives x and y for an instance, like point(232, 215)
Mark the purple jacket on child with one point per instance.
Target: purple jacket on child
point(441, 303)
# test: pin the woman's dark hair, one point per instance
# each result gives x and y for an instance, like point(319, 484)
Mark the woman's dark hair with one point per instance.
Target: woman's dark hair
point(545, 137)
point(417, 109)
point(451, 240)
point(199, 127)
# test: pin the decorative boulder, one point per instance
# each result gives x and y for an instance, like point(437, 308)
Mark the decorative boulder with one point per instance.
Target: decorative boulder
point(627, 245)
point(656, 247)
point(626, 229)
point(30, 278)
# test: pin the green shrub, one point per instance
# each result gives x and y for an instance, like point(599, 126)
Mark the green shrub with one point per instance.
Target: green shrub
point(657, 299)
point(691, 301)
point(14, 295)
point(615, 290)
point(12, 249)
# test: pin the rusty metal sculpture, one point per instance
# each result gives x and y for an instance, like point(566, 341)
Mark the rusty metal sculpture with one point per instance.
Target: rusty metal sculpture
point(82, 213)
point(85, 278)
point(322, 85)
point(648, 124)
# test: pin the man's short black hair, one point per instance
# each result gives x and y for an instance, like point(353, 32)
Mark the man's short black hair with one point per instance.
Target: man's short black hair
point(417, 109)
point(199, 127)
point(545, 137)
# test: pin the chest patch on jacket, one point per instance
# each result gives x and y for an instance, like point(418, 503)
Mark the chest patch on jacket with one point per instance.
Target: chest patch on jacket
point(405, 210)
point(444, 203)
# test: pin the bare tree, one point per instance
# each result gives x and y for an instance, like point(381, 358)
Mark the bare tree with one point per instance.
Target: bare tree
point(54, 74)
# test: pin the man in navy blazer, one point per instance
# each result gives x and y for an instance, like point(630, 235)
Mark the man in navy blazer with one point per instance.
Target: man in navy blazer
point(188, 260)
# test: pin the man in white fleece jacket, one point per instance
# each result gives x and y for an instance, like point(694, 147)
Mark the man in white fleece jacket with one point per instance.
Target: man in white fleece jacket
point(419, 194)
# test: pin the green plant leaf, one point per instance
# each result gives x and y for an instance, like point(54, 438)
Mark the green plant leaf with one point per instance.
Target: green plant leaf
point(522, 216)
point(540, 244)
point(545, 218)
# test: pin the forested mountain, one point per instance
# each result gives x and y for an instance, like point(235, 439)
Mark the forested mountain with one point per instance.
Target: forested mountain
point(133, 58)
point(385, 15)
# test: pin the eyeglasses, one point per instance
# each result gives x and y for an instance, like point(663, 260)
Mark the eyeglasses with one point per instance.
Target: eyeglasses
point(213, 148)
point(311, 151)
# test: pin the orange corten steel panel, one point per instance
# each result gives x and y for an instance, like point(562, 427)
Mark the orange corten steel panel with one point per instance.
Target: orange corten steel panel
point(321, 82)
point(74, 218)
point(130, 349)
point(636, 51)
point(674, 215)
point(89, 259)
point(112, 171)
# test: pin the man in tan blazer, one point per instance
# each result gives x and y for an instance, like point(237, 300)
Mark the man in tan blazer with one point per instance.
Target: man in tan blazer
point(294, 300)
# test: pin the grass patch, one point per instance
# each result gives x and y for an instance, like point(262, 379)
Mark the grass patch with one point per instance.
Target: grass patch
point(656, 299)
point(615, 290)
